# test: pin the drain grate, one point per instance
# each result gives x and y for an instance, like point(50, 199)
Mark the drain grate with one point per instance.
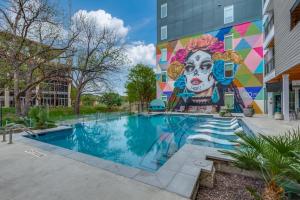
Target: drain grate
point(35, 153)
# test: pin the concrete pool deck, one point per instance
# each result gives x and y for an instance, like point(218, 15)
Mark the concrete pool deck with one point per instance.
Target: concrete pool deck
point(262, 124)
point(34, 170)
point(31, 167)
point(31, 173)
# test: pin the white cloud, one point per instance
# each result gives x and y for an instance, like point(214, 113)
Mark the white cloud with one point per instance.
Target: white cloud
point(140, 53)
point(105, 20)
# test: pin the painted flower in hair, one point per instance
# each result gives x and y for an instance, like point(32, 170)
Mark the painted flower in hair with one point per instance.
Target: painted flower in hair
point(180, 56)
point(204, 42)
point(175, 69)
point(219, 72)
point(217, 47)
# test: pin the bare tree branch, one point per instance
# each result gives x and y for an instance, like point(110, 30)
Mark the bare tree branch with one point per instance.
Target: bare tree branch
point(99, 53)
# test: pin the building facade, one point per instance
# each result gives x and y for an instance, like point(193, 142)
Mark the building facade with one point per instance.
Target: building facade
point(210, 54)
point(282, 57)
point(51, 93)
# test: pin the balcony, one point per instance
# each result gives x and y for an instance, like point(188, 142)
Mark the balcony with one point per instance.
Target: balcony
point(269, 25)
point(269, 31)
point(269, 66)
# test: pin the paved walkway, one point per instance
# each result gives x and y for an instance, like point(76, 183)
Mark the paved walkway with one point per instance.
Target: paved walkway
point(25, 176)
point(269, 126)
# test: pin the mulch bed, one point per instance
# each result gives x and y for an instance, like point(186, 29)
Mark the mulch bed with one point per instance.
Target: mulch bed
point(230, 187)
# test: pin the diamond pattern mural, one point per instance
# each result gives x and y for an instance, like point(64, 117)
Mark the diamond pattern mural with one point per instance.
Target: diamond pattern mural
point(201, 72)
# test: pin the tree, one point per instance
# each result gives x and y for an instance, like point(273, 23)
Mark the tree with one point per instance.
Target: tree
point(32, 36)
point(111, 99)
point(141, 84)
point(88, 99)
point(99, 54)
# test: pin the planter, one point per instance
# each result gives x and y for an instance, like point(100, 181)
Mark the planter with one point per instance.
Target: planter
point(248, 112)
point(278, 116)
point(225, 112)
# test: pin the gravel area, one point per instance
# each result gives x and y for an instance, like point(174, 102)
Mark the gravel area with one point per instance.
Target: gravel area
point(230, 187)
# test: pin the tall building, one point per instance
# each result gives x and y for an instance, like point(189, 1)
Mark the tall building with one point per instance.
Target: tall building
point(282, 57)
point(210, 54)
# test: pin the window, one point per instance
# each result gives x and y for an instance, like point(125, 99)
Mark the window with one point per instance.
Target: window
point(295, 14)
point(228, 14)
point(164, 77)
point(229, 100)
point(228, 45)
point(228, 71)
point(164, 98)
point(163, 10)
point(292, 100)
point(164, 33)
point(164, 55)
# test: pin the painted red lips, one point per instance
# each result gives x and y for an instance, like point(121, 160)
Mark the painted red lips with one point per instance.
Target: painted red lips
point(196, 81)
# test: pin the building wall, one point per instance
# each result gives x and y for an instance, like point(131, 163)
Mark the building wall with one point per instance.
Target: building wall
point(287, 41)
point(187, 17)
point(203, 86)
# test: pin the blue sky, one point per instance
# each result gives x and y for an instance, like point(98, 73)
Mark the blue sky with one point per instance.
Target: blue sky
point(134, 20)
point(138, 15)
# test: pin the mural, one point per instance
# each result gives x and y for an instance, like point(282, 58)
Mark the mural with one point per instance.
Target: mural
point(200, 73)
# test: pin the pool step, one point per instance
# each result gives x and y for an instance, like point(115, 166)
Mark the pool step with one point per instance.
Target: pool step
point(191, 169)
point(220, 127)
point(208, 138)
point(217, 132)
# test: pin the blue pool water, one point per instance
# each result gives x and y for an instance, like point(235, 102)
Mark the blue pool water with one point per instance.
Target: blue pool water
point(144, 142)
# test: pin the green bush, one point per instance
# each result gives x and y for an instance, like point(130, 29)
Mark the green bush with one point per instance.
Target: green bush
point(53, 114)
point(222, 113)
point(63, 113)
point(277, 158)
point(225, 112)
point(40, 116)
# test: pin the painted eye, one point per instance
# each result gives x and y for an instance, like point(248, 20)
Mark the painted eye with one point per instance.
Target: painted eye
point(206, 66)
point(189, 68)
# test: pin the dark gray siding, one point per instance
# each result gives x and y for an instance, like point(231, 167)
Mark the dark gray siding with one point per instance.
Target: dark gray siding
point(187, 17)
point(287, 41)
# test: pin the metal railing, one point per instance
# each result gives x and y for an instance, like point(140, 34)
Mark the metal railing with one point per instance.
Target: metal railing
point(94, 117)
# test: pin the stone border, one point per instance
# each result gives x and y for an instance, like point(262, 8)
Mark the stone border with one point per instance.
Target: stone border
point(248, 127)
point(181, 174)
point(59, 128)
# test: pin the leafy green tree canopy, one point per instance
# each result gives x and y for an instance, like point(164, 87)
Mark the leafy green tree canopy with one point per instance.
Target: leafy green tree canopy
point(140, 85)
point(111, 99)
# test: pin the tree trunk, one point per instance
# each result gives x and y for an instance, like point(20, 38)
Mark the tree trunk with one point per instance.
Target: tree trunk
point(77, 103)
point(16, 94)
point(272, 191)
point(38, 96)
point(27, 103)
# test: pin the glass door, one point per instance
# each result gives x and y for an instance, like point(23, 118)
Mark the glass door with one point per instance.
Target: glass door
point(277, 103)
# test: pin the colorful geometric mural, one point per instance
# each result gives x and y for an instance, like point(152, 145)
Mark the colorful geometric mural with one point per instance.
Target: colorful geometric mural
point(200, 72)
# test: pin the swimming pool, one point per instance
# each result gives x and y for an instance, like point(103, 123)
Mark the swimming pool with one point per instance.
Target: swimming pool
point(144, 142)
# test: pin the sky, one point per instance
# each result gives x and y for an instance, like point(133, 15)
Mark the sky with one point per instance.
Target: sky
point(138, 15)
point(135, 21)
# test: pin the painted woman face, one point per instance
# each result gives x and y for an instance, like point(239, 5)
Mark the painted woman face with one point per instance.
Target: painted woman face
point(197, 71)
